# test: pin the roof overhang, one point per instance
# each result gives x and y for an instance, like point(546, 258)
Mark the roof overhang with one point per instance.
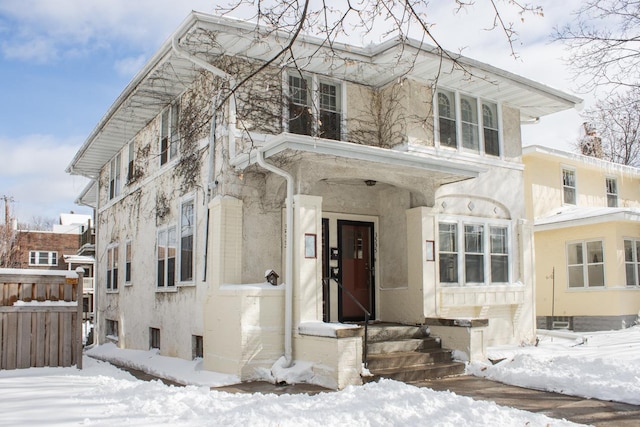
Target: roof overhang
point(577, 217)
point(167, 74)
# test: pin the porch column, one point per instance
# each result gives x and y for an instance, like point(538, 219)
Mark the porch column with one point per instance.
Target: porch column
point(421, 263)
point(307, 259)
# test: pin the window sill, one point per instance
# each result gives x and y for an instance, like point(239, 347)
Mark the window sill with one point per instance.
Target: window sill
point(186, 285)
point(171, 289)
point(127, 285)
point(112, 291)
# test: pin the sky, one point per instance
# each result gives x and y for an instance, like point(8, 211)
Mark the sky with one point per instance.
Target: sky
point(599, 365)
point(63, 64)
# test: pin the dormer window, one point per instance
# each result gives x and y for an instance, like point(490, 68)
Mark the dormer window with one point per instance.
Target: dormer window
point(459, 123)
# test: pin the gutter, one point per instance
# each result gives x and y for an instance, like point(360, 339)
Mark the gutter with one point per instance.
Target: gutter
point(289, 255)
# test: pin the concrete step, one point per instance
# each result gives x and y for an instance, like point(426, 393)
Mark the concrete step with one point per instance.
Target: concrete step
point(391, 332)
point(411, 358)
point(404, 345)
point(416, 373)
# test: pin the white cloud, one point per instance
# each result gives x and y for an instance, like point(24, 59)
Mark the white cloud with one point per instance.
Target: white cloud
point(131, 65)
point(33, 173)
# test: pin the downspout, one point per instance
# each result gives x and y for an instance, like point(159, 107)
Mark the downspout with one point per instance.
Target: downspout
point(288, 295)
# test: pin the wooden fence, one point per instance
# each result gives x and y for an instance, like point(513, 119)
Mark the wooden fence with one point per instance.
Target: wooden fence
point(40, 318)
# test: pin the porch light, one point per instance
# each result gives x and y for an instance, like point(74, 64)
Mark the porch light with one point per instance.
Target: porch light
point(370, 182)
point(272, 277)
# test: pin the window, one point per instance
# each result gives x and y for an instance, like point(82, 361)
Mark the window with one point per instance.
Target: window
point(568, 187)
point(612, 192)
point(197, 347)
point(448, 252)
point(585, 264)
point(112, 268)
point(632, 261)
point(166, 258)
point(127, 262)
point(474, 253)
point(490, 128)
point(154, 338)
point(300, 120)
point(112, 329)
point(447, 118)
point(469, 115)
point(328, 103)
point(485, 258)
point(48, 258)
point(114, 177)
point(499, 254)
point(330, 117)
point(187, 226)
point(131, 165)
point(169, 135)
point(466, 128)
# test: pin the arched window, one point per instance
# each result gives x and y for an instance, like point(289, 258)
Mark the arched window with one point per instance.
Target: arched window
point(490, 129)
point(447, 119)
point(469, 112)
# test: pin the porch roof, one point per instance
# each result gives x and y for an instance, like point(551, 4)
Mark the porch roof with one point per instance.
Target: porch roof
point(440, 169)
point(578, 216)
point(166, 75)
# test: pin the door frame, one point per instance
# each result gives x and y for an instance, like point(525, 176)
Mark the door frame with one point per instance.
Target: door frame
point(372, 252)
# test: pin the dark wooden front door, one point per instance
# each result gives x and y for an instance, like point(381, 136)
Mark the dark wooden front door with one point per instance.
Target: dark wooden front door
point(356, 269)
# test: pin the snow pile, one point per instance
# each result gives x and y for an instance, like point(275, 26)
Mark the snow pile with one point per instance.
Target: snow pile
point(172, 368)
point(100, 395)
point(600, 365)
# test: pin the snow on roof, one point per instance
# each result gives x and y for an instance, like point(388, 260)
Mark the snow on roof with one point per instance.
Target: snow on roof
point(575, 215)
point(74, 219)
point(78, 259)
point(586, 160)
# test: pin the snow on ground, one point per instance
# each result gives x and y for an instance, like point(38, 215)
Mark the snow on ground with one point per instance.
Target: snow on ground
point(604, 365)
point(101, 395)
point(600, 365)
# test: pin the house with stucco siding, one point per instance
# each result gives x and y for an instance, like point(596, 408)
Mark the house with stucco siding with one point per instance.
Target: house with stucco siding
point(260, 222)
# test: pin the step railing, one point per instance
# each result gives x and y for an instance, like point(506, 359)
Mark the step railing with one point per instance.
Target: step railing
point(326, 283)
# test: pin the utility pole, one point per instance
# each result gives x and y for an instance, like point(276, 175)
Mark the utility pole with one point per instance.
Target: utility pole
point(7, 217)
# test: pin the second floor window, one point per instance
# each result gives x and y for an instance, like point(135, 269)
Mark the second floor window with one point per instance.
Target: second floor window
point(307, 96)
point(612, 192)
point(114, 177)
point(187, 227)
point(49, 258)
point(169, 134)
point(568, 187)
point(472, 127)
point(127, 262)
point(131, 163)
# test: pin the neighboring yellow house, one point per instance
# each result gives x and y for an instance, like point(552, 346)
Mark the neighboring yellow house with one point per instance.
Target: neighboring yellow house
point(586, 213)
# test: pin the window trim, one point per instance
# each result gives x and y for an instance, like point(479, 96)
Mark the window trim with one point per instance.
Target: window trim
point(585, 264)
point(166, 286)
point(179, 280)
point(172, 121)
point(613, 179)
point(314, 102)
point(479, 124)
point(564, 168)
point(115, 176)
point(635, 262)
point(111, 284)
point(128, 262)
point(486, 223)
point(52, 258)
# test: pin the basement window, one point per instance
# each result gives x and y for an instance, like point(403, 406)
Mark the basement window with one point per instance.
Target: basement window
point(154, 338)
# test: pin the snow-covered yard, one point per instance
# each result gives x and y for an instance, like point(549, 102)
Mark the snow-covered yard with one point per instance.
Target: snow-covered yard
point(606, 365)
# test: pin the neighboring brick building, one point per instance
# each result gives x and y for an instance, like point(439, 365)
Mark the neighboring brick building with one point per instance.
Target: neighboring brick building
point(45, 249)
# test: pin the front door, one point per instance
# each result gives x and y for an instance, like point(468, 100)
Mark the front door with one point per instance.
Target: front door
point(356, 270)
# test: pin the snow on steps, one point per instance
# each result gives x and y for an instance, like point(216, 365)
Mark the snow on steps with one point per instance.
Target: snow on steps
point(408, 354)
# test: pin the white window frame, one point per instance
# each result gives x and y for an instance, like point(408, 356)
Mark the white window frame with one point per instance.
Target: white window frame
point(563, 186)
point(612, 196)
point(111, 284)
point(115, 173)
point(128, 262)
point(479, 125)
point(43, 258)
point(634, 263)
point(131, 162)
point(314, 101)
point(169, 123)
point(586, 263)
point(182, 230)
point(487, 224)
point(166, 282)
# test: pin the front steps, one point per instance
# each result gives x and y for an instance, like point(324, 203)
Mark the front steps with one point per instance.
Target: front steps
point(408, 354)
